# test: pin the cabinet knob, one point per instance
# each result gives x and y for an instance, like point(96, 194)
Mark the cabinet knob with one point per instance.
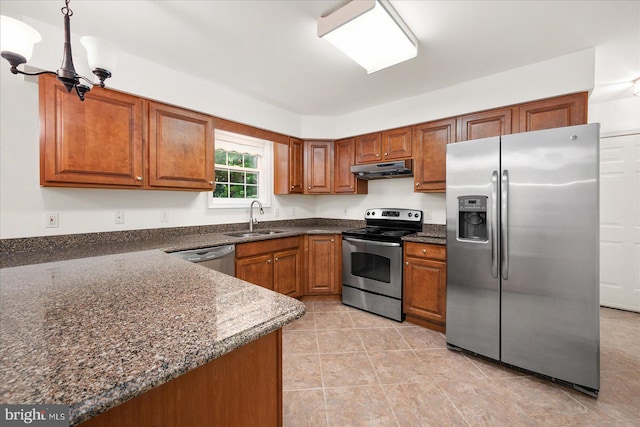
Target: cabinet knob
point(268, 261)
point(417, 184)
point(210, 182)
point(386, 154)
point(292, 187)
point(138, 178)
point(351, 186)
point(309, 188)
point(406, 262)
point(332, 240)
point(424, 251)
point(377, 155)
point(276, 259)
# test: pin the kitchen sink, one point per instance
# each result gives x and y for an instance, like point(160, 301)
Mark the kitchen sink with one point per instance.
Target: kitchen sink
point(253, 233)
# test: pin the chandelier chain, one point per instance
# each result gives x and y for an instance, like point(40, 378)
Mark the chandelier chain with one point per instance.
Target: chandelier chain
point(66, 10)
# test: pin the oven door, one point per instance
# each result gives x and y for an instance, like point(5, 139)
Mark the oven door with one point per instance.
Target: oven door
point(372, 266)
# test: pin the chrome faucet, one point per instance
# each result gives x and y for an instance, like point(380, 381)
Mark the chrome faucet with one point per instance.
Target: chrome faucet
point(253, 220)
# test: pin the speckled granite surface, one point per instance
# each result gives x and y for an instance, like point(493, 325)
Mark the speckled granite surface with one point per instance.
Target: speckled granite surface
point(434, 234)
point(95, 332)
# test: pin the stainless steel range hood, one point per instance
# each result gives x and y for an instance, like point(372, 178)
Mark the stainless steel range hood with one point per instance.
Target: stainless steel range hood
point(398, 169)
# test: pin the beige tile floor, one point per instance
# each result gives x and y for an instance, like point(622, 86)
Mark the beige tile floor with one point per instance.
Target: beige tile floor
point(344, 367)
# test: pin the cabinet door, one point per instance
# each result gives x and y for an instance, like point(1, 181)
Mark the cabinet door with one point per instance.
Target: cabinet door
point(296, 162)
point(180, 148)
point(324, 265)
point(557, 112)
point(287, 272)
point(344, 182)
point(318, 167)
point(396, 144)
point(485, 124)
point(431, 141)
point(425, 287)
point(368, 148)
point(256, 269)
point(95, 143)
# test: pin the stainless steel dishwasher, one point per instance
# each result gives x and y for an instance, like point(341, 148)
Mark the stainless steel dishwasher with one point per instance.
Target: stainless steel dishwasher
point(219, 258)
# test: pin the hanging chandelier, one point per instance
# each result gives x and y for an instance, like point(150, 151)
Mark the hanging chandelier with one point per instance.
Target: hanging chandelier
point(17, 40)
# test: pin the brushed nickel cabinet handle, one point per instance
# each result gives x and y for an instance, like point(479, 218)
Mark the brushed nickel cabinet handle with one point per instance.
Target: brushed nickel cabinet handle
point(417, 184)
point(139, 178)
point(268, 261)
point(277, 259)
point(406, 262)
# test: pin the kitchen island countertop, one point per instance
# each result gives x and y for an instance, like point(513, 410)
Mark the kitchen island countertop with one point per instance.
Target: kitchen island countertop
point(95, 332)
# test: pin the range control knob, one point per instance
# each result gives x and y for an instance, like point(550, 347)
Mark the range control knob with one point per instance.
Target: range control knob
point(373, 213)
point(410, 214)
point(417, 214)
point(368, 213)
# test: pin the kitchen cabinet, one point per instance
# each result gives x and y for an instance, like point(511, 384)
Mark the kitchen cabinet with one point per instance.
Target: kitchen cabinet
point(240, 388)
point(486, 124)
point(425, 284)
point(318, 167)
point(345, 182)
point(100, 142)
point(556, 112)
point(289, 167)
point(431, 141)
point(95, 143)
point(324, 266)
point(180, 148)
point(273, 264)
point(394, 144)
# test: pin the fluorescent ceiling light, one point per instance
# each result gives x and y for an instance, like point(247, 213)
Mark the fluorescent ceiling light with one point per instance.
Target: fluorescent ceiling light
point(370, 32)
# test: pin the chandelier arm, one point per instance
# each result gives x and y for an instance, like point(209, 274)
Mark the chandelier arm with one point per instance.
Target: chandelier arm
point(88, 81)
point(37, 73)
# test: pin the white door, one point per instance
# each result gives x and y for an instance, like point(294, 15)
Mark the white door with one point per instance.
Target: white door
point(620, 222)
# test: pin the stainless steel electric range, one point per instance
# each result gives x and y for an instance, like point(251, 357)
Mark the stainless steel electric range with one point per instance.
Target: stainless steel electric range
point(372, 261)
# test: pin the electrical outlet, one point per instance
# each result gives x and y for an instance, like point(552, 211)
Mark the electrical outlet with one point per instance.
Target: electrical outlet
point(119, 217)
point(427, 214)
point(164, 216)
point(276, 212)
point(51, 220)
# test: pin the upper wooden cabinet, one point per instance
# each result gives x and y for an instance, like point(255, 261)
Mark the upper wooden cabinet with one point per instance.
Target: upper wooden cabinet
point(99, 142)
point(430, 149)
point(394, 144)
point(318, 167)
point(485, 124)
point(345, 182)
point(288, 164)
point(557, 112)
point(368, 148)
point(180, 148)
point(95, 143)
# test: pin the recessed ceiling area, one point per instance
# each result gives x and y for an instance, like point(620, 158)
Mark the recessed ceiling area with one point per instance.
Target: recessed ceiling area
point(269, 50)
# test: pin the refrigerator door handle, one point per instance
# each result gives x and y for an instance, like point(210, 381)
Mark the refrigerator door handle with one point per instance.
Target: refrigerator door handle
point(504, 225)
point(494, 224)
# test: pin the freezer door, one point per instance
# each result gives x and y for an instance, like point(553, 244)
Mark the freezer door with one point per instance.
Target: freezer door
point(473, 298)
point(550, 293)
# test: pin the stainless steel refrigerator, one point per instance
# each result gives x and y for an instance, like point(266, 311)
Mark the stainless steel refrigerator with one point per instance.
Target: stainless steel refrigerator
point(523, 252)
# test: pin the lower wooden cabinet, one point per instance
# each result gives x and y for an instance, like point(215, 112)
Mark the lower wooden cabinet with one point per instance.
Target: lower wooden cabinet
point(273, 264)
point(425, 284)
point(241, 388)
point(324, 267)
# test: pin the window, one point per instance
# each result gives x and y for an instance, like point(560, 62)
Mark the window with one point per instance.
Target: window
point(242, 170)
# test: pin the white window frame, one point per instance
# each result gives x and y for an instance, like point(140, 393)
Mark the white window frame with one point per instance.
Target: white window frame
point(230, 141)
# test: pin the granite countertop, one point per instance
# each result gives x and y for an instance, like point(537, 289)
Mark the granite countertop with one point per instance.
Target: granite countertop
point(94, 332)
point(435, 234)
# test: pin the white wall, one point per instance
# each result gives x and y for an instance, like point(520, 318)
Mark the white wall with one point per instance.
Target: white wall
point(24, 203)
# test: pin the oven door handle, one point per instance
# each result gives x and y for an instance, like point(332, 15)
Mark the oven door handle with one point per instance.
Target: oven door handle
point(371, 242)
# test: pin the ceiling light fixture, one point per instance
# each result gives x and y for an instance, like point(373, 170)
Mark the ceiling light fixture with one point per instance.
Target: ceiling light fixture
point(370, 32)
point(17, 40)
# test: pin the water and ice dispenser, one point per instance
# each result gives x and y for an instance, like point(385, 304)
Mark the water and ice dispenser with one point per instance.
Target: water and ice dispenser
point(472, 218)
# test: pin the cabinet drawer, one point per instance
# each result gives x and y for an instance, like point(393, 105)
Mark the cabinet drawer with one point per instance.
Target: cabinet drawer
point(266, 246)
point(421, 250)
